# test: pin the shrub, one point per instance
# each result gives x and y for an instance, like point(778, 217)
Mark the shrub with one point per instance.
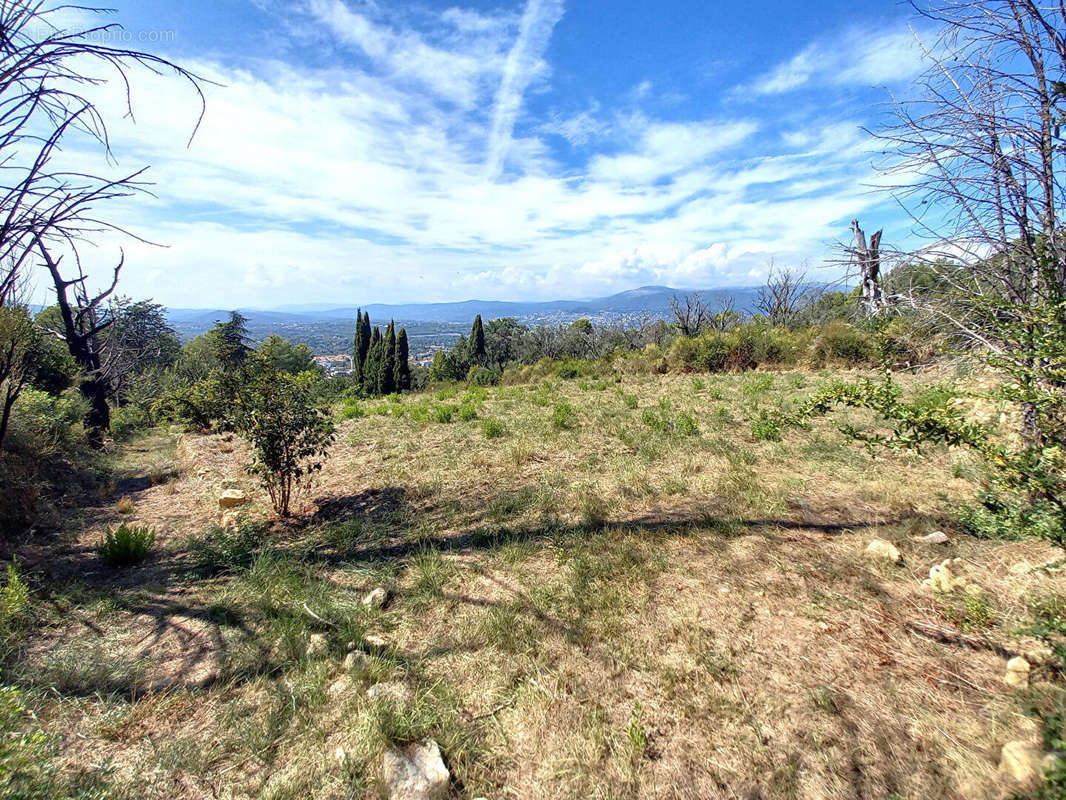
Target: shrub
point(842, 342)
point(567, 370)
point(564, 417)
point(128, 420)
point(467, 412)
point(482, 376)
point(766, 427)
point(493, 429)
point(226, 550)
point(126, 544)
point(289, 434)
point(125, 505)
point(630, 400)
point(351, 409)
point(444, 413)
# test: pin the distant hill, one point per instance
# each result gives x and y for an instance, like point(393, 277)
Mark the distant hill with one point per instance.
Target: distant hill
point(329, 329)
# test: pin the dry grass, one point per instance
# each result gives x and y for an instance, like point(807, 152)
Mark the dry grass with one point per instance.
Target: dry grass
point(595, 603)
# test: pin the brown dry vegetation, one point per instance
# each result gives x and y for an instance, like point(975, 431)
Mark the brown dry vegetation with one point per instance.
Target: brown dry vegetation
point(582, 607)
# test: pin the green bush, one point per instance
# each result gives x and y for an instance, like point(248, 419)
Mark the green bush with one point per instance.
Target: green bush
point(223, 550)
point(842, 342)
point(128, 420)
point(482, 376)
point(567, 370)
point(766, 427)
point(493, 429)
point(467, 412)
point(351, 409)
point(126, 544)
point(444, 413)
point(630, 400)
point(564, 417)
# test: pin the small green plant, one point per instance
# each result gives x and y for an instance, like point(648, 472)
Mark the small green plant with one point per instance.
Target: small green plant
point(698, 384)
point(766, 427)
point(14, 604)
point(630, 400)
point(973, 613)
point(635, 733)
point(223, 550)
point(492, 428)
point(467, 412)
point(444, 413)
point(126, 544)
point(351, 409)
point(564, 417)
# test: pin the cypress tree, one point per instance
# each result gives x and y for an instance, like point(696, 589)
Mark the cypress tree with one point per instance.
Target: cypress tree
point(359, 350)
point(387, 367)
point(477, 342)
point(372, 366)
point(403, 365)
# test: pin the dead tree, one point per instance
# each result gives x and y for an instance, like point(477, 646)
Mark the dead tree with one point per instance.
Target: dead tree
point(783, 297)
point(691, 313)
point(869, 261)
point(980, 152)
point(47, 73)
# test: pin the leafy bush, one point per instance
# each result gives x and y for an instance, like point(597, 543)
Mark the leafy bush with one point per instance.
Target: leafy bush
point(351, 409)
point(567, 370)
point(482, 376)
point(564, 417)
point(126, 544)
point(663, 420)
point(289, 434)
point(444, 413)
point(227, 550)
point(467, 412)
point(766, 427)
point(842, 342)
point(493, 429)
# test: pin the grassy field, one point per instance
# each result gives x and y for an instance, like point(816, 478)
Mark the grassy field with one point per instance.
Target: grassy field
point(596, 590)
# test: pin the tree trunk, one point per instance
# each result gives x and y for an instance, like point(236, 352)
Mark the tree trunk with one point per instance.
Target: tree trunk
point(869, 259)
point(98, 420)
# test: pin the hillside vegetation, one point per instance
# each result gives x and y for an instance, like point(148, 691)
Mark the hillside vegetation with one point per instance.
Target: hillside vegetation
point(594, 588)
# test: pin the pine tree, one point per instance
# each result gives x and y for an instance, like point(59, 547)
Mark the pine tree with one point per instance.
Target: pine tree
point(387, 367)
point(403, 365)
point(477, 342)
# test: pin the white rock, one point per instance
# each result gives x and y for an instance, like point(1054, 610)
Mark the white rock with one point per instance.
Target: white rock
point(317, 646)
point(231, 520)
point(1039, 655)
point(1024, 762)
point(1017, 673)
point(936, 537)
point(376, 598)
point(354, 660)
point(375, 640)
point(231, 498)
point(399, 693)
point(415, 772)
point(885, 551)
point(340, 687)
point(942, 577)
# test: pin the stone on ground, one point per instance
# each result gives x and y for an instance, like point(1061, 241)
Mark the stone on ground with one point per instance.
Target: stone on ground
point(354, 660)
point(1023, 762)
point(397, 692)
point(415, 772)
point(231, 498)
point(879, 549)
point(1017, 673)
point(942, 577)
point(317, 646)
point(936, 537)
point(340, 687)
point(376, 598)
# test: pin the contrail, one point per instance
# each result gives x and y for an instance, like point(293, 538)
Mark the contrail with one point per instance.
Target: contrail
point(534, 33)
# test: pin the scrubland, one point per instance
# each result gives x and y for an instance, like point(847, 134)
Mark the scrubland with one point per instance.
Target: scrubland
point(627, 587)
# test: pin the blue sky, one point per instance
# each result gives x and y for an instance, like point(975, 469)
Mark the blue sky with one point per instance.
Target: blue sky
point(355, 152)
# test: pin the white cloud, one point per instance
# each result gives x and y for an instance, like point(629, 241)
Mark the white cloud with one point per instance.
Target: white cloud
point(861, 57)
point(369, 183)
point(524, 64)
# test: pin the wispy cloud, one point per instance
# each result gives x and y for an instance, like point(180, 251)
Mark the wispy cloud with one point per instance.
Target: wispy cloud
point(854, 56)
point(524, 64)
